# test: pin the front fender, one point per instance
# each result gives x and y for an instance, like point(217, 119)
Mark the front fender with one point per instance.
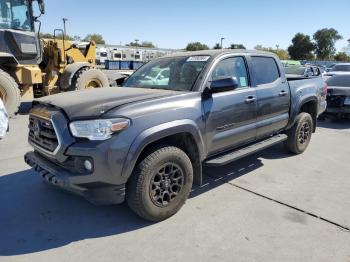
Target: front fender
point(156, 133)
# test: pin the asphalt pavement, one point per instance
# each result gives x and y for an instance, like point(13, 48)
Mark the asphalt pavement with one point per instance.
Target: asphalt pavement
point(271, 206)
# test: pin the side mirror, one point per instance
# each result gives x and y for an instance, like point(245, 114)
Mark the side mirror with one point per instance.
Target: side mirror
point(223, 84)
point(120, 81)
point(41, 6)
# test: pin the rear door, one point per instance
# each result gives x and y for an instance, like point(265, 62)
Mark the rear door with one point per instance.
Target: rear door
point(273, 96)
point(230, 115)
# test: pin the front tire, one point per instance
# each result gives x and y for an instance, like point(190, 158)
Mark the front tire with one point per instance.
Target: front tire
point(299, 136)
point(9, 93)
point(89, 78)
point(160, 184)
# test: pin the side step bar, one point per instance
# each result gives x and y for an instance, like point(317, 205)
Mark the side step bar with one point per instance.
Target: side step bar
point(245, 151)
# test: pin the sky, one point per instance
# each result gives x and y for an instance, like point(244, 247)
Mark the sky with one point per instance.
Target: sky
point(173, 24)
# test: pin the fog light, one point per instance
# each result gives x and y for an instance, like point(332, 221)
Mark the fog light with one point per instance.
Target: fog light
point(88, 165)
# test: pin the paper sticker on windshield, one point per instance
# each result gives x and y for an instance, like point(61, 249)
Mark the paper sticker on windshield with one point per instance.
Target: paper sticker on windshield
point(200, 58)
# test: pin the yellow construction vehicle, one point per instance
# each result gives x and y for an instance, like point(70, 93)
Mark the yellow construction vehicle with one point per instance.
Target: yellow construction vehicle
point(32, 67)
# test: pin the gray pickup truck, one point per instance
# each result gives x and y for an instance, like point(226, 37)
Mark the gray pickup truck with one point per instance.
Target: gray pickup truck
point(147, 141)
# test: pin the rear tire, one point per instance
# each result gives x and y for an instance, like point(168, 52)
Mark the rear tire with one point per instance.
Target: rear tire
point(160, 184)
point(9, 93)
point(89, 78)
point(299, 135)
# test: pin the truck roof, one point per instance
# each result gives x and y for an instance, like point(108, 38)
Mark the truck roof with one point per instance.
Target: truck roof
point(218, 52)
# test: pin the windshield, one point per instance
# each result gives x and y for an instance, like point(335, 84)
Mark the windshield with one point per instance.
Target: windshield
point(175, 73)
point(339, 80)
point(345, 68)
point(295, 70)
point(16, 14)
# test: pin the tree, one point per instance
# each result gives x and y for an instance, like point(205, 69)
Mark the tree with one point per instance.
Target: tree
point(281, 53)
point(58, 36)
point(46, 35)
point(217, 46)
point(196, 46)
point(301, 48)
point(237, 46)
point(97, 38)
point(147, 44)
point(136, 44)
point(259, 47)
point(342, 57)
point(325, 40)
point(142, 44)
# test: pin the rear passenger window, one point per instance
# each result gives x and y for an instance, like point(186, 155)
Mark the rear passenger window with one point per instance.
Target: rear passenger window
point(266, 70)
point(232, 67)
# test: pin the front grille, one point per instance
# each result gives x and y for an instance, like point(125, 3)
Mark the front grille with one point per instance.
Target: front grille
point(335, 101)
point(42, 133)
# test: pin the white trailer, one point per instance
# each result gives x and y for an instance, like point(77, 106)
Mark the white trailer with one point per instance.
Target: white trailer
point(102, 54)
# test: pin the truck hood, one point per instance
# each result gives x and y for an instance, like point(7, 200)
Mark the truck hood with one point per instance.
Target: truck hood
point(88, 104)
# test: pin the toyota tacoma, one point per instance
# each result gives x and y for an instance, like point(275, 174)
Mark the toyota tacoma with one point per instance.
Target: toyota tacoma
point(147, 141)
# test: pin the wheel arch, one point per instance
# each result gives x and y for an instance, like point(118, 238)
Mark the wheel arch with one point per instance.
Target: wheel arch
point(69, 72)
point(183, 134)
point(308, 105)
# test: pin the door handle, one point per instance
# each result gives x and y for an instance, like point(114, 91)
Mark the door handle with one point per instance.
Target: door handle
point(250, 99)
point(283, 93)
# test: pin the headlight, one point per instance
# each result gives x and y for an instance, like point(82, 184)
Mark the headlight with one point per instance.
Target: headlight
point(100, 129)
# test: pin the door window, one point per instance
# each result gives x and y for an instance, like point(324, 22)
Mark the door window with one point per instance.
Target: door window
point(266, 70)
point(232, 67)
point(15, 14)
point(309, 72)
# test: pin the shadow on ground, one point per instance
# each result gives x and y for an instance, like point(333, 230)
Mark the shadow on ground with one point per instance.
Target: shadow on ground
point(341, 124)
point(35, 217)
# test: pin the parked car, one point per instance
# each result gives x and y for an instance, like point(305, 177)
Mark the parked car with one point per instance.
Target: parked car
point(330, 67)
point(338, 97)
point(4, 120)
point(339, 69)
point(303, 71)
point(147, 144)
point(291, 63)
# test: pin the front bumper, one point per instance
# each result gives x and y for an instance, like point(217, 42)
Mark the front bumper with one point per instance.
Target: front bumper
point(96, 192)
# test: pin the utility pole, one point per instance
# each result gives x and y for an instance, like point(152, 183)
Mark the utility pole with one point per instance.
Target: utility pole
point(65, 20)
point(222, 38)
